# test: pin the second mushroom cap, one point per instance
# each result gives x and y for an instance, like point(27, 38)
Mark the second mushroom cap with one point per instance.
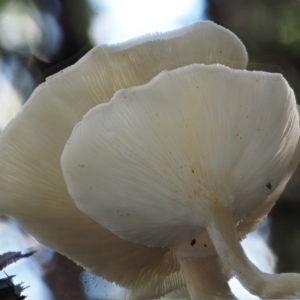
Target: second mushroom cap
point(149, 164)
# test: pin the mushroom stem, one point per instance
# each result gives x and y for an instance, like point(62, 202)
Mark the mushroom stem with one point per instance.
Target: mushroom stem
point(204, 278)
point(222, 231)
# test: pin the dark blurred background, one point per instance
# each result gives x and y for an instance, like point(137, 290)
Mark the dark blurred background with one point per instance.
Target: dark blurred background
point(40, 37)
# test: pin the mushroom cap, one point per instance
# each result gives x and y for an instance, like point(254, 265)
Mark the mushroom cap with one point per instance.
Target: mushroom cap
point(149, 164)
point(252, 221)
point(32, 187)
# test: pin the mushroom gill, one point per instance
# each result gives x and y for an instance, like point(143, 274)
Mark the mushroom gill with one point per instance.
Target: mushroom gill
point(181, 161)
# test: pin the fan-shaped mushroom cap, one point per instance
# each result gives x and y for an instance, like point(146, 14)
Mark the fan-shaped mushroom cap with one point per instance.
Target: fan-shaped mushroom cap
point(32, 188)
point(149, 164)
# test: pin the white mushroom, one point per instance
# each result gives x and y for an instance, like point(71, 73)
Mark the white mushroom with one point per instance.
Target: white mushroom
point(32, 187)
point(179, 162)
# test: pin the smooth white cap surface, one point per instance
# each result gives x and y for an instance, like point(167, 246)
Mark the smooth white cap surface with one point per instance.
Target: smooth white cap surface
point(149, 164)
